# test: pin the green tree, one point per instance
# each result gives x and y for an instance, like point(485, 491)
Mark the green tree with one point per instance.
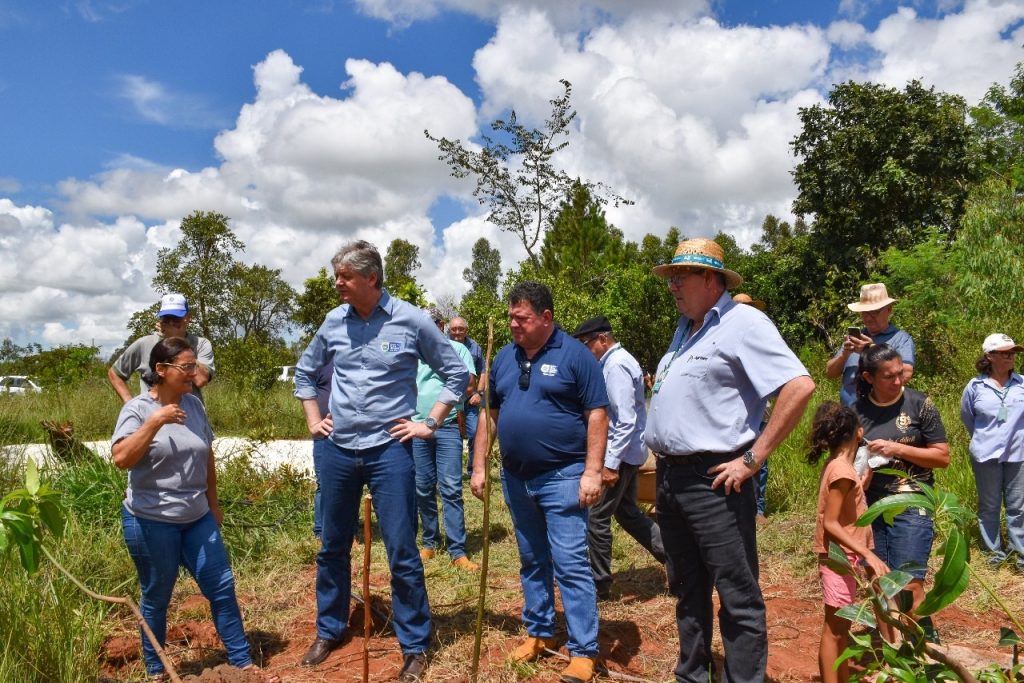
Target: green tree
point(484, 274)
point(63, 366)
point(999, 124)
point(879, 166)
point(400, 262)
point(260, 302)
point(580, 244)
point(200, 267)
point(515, 173)
point(318, 298)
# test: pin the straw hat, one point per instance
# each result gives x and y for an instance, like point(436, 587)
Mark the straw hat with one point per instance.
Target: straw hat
point(700, 253)
point(745, 299)
point(872, 298)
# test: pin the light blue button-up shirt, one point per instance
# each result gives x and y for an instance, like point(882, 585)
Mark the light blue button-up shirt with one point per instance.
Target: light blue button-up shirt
point(711, 394)
point(627, 412)
point(375, 363)
point(992, 438)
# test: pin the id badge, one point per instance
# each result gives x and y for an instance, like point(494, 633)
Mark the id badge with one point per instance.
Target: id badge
point(1001, 416)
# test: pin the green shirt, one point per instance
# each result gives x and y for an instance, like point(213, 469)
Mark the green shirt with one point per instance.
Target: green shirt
point(429, 384)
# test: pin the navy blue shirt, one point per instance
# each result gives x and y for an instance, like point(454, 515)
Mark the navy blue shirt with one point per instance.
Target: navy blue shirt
point(543, 428)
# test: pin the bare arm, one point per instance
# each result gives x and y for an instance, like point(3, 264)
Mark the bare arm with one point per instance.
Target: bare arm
point(908, 372)
point(597, 441)
point(202, 376)
point(481, 449)
point(317, 424)
point(835, 531)
point(933, 456)
point(119, 385)
point(127, 452)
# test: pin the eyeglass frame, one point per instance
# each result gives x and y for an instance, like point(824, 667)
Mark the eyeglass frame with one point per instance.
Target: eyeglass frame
point(187, 368)
point(677, 278)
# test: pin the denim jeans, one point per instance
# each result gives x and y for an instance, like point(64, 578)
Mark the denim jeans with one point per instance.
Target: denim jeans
point(439, 467)
point(1000, 484)
point(551, 531)
point(472, 420)
point(158, 549)
point(620, 501)
point(907, 542)
point(761, 481)
point(388, 472)
point(318, 448)
point(711, 543)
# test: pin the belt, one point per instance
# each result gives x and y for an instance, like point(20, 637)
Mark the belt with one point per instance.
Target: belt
point(699, 457)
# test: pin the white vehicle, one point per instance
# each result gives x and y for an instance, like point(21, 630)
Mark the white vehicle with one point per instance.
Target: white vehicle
point(286, 374)
point(18, 384)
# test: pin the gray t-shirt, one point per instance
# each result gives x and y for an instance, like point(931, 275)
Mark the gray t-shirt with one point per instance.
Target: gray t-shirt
point(169, 483)
point(136, 359)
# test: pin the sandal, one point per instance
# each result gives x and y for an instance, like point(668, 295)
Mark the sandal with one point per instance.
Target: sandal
point(264, 676)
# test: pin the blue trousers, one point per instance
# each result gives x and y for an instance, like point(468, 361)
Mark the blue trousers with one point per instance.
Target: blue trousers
point(439, 468)
point(472, 414)
point(551, 530)
point(318, 449)
point(1000, 484)
point(388, 472)
point(158, 549)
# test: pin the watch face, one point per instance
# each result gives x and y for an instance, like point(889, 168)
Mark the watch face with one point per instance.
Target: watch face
point(748, 458)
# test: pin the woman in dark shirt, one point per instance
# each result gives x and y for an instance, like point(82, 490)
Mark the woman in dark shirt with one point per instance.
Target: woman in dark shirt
point(903, 428)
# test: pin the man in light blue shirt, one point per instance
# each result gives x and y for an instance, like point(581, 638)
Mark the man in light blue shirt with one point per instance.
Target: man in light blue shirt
point(627, 417)
point(875, 308)
point(439, 463)
point(709, 396)
point(377, 342)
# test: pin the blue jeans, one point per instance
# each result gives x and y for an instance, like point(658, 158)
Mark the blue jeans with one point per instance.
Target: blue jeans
point(551, 531)
point(762, 487)
point(907, 541)
point(439, 467)
point(158, 549)
point(472, 420)
point(318, 449)
point(711, 543)
point(388, 471)
point(1000, 484)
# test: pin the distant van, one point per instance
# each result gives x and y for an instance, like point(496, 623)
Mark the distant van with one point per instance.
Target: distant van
point(286, 374)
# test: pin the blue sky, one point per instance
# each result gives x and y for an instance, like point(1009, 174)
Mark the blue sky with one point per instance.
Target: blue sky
point(303, 122)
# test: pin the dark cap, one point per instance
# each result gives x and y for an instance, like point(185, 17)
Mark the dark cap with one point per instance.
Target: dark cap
point(592, 326)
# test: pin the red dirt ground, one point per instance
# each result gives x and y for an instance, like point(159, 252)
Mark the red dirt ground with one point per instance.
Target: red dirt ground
point(641, 642)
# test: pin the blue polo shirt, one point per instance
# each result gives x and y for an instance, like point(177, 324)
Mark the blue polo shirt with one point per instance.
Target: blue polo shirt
point(542, 428)
point(980, 408)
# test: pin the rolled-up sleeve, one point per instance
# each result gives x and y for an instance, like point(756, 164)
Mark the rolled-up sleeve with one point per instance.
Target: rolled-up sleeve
point(312, 359)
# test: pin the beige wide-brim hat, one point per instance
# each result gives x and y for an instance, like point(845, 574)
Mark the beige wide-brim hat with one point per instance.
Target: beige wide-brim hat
point(745, 299)
point(872, 298)
point(700, 253)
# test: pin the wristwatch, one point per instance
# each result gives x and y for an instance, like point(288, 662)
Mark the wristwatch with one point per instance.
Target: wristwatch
point(749, 460)
point(431, 424)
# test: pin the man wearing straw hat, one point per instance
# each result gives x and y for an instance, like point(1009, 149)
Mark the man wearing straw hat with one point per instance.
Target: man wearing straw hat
point(709, 396)
point(377, 342)
point(875, 308)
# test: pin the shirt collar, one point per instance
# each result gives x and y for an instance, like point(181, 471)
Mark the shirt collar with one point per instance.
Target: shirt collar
point(616, 345)
point(385, 303)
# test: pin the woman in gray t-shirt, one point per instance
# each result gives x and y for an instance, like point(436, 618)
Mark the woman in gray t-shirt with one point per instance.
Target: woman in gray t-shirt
point(170, 516)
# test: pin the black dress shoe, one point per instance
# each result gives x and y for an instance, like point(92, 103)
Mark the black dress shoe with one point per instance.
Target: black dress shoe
point(413, 668)
point(319, 650)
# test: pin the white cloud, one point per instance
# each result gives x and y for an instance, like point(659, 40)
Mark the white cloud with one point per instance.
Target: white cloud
point(157, 103)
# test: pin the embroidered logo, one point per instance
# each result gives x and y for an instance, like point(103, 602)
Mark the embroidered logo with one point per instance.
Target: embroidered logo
point(903, 422)
point(390, 346)
point(548, 370)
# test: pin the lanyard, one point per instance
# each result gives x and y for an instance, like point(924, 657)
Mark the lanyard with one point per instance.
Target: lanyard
point(1002, 414)
point(664, 371)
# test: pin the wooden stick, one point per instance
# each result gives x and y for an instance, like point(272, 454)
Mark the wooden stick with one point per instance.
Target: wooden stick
point(367, 613)
point(485, 555)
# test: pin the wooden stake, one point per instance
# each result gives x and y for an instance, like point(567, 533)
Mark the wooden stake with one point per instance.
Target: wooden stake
point(367, 613)
point(475, 669)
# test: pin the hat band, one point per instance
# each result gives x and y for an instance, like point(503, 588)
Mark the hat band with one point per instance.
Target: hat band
point(699, 259)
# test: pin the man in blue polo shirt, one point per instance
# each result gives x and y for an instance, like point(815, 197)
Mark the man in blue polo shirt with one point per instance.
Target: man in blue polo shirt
point(704, 426)
point(875, 308)
point(377, 342)
point(548, 401)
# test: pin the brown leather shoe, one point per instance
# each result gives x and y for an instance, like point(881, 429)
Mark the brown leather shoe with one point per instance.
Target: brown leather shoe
point(319, 650)
point(426, 554)
point(413, 668)
point(580, 670)
point(532, 648)
point(465, 564)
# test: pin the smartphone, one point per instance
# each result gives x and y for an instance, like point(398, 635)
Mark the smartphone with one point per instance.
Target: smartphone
point(852, 331)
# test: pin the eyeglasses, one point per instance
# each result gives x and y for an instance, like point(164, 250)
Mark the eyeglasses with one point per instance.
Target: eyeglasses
point(172, 320)
point(524, 374)
point(187, 368)
point(677, 279)
point(1003, 354)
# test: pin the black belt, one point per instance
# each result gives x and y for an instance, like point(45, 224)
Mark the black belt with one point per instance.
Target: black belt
point(699, 457)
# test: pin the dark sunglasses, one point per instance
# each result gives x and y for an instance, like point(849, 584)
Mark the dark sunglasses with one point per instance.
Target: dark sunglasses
point(524, 374)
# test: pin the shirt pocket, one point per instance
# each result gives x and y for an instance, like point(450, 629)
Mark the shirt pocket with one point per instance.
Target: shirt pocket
point(693, 367)
point(388, 349)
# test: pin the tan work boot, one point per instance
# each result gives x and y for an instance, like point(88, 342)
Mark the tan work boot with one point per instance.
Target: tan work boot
point(532, 648)
point(466, 564)
point(580, 670)
point(426, 554)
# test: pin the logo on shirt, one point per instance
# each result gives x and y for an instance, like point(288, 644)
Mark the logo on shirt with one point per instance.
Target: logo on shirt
point(548, 370)
point(903, 422)
point(390, 346)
